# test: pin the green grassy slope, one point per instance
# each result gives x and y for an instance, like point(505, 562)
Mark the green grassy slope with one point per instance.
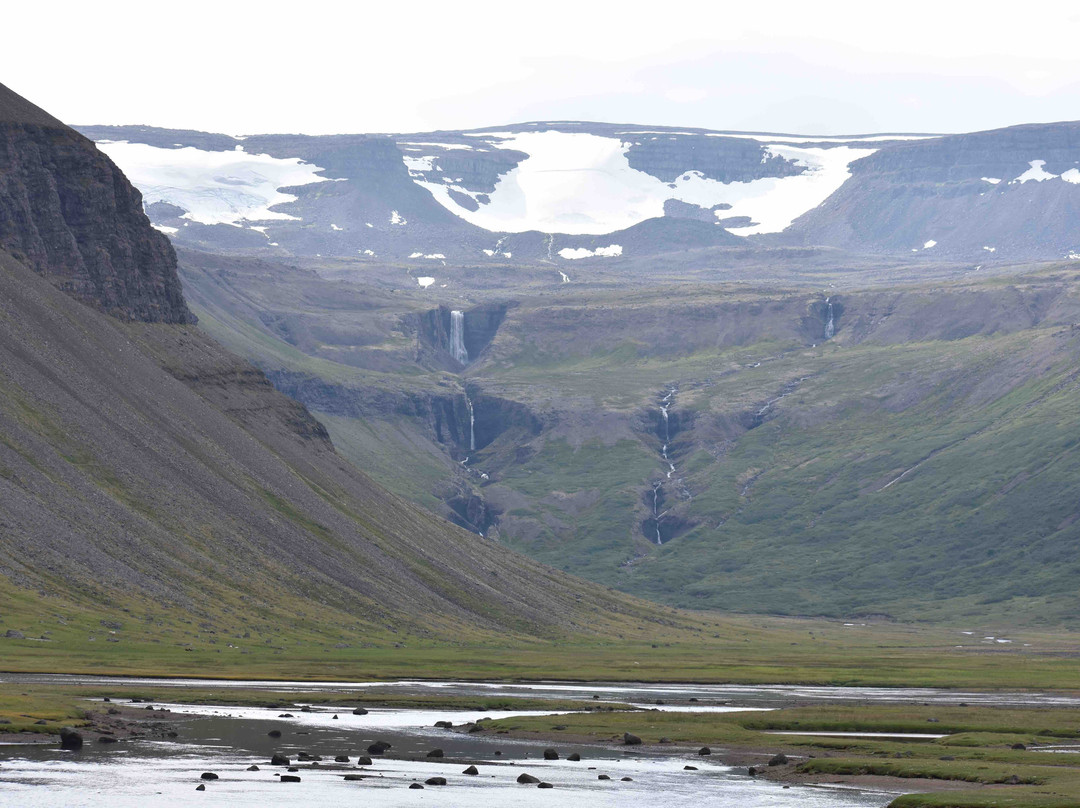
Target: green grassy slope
point(919, 465)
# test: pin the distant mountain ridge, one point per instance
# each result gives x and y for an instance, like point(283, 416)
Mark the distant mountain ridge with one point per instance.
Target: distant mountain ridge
point(567, 191)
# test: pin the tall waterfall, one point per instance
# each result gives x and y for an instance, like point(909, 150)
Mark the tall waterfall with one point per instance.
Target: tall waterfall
point(830, 325)
point(457, 337)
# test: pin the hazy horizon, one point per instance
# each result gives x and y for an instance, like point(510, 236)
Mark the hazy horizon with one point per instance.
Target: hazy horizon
point(844, 69)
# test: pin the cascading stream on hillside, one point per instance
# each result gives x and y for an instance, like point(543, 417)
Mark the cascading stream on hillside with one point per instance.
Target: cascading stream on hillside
point(665, 404)
point(830, 324)
point(472, 422)
point(457, 337)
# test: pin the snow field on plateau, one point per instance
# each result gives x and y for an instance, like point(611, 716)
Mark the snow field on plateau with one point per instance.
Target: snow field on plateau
point(583, 184)
point(214, 187)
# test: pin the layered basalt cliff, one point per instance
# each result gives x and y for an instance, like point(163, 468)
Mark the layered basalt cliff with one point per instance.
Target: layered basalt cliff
point(69, 213)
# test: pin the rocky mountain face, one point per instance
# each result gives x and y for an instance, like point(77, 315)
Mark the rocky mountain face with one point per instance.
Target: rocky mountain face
point(68, 211)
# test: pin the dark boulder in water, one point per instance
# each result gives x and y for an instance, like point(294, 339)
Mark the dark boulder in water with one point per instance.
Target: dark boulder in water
point(435, 781)
point(208, 776)
point(279, 759)
point(359, 711)
point(378, 748)
point(551, 754)
point(70, 739)
point(289, 778)
point(630, 739)
point(778, 759)
point(527, 778)
point(435, 753)
point(471, 770)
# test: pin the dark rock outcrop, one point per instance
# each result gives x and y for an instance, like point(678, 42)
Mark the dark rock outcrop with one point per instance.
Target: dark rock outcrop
point(69, 213)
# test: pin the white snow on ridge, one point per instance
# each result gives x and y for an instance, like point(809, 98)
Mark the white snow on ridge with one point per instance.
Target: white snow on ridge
point(929, 244)
point(992, 180)
point(1034, 174)
point(425, 281)
point(582, 184)
point(169, 231)
point(571, 253)
point(1072, 175)
point(214, 187)
point(396, 218)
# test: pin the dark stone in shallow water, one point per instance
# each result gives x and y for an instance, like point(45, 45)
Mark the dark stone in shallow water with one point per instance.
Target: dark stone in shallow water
point(704, 751)
point(274, 733)
point(200, 787)
point(252, 768)
point(573, 756)
point(351, 778)
point(435, 753)
point(279, 760)
point(602, 777)
point(341, 759)
point(435, 781)
point(630, 739)
point(106, 739)
point(378, 748)
point(778, 759)
point(208, 776)
point(544, 785)
point(527, 778)
point(359, 711)
point(415, 785)
point(289, 778)
point(551, 754)
point(363, 760)
point(70, 739)
point(471, 770)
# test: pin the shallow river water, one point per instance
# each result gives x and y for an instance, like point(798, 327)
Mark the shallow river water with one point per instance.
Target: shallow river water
point(226, 740)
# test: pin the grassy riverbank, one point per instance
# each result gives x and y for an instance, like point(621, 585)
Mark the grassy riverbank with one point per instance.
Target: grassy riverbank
point(695, 647)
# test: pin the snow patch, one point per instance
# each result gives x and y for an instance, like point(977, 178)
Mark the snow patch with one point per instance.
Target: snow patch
point(367, 252)
point(992, 180)
point(929, 244)
point(335, 227)
point(572, 254)
point(1034, 174)
point(1072, 175)
point(583, 184)
point(214, 187)
point(418, 166)
point(432, 256)
point(169, 231)
point(396, 218)
point(425, 281)
point(990, 249)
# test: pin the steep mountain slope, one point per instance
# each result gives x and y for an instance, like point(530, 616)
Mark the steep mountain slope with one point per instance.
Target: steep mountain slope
point(155, 489)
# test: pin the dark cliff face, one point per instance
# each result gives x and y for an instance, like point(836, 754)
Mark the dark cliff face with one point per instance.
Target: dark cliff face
point(71, 214)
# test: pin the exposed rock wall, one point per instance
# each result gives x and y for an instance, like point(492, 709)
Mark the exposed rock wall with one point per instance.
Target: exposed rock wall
point(71, 214)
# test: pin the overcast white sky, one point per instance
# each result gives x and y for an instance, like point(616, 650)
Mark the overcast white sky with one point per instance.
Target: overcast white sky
point(324, 67)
